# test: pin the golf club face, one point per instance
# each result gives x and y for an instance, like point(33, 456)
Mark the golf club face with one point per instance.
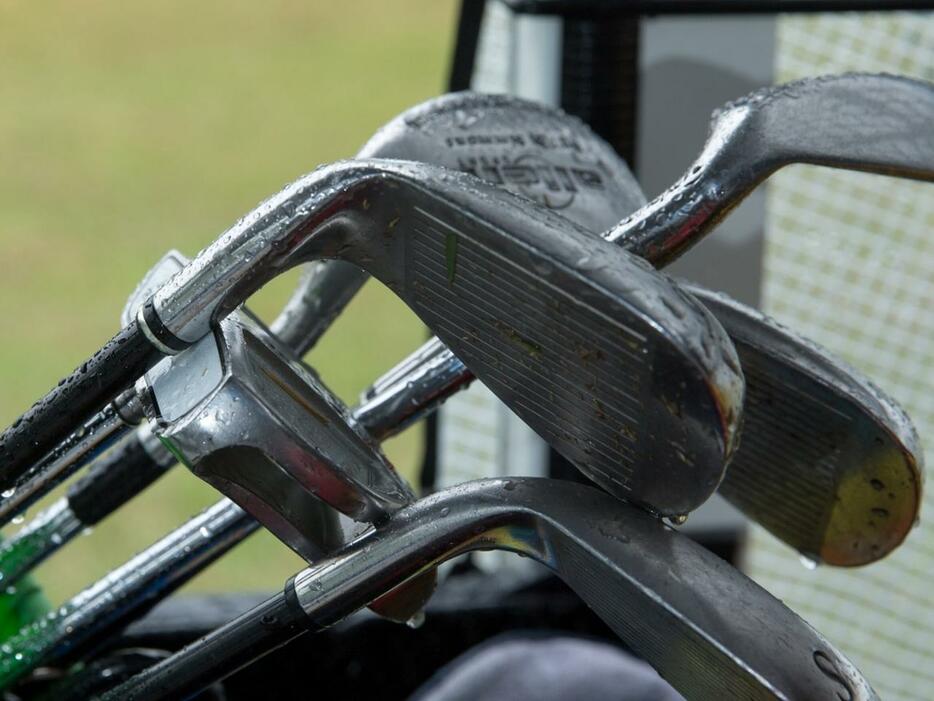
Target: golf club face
point(820, 442)
point(632, 380)
point(881, 124)
point(529, 149)
point(709, 630)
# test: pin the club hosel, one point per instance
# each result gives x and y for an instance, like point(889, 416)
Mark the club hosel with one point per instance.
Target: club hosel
point(664, 229)
point(305, 221)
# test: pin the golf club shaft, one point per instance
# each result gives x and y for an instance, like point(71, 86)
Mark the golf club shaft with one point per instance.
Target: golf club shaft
point(73, 401)
point(126, 592)
point(112, 480)
point(94, 437)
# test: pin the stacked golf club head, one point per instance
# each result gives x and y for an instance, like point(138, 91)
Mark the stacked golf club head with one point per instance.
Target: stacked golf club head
point(634, 377)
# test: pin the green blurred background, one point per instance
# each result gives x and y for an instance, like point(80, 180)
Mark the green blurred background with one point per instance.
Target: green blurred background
point(127, 130)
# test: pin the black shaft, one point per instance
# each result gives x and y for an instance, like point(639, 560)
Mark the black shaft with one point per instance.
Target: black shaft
point(114, 479)
point(465, 44)
point(219, 654)
point(94, 383)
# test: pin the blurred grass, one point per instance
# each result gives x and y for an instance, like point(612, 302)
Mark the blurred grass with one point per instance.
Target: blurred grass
point(127, 130)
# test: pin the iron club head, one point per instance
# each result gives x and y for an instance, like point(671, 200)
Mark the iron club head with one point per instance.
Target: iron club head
point(619, 370)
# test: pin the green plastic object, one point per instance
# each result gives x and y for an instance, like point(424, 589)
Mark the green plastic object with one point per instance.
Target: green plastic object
point(20, 605)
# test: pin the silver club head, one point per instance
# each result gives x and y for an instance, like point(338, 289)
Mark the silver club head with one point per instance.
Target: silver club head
point(800, 469)
point(709, 630)
point(828, 463)
point(866, 122)
point(628, 377)
point(264, 431)
point(530, 149)
point(261, 428)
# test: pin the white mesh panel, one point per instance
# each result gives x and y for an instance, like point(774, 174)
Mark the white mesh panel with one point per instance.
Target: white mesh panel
point(850, 263)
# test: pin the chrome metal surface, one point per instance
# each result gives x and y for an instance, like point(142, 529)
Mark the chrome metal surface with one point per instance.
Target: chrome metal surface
point(412, 390)
point(873, 123)
point(708, 629)
point(262, 429)
point(126, 591)
point(827, 462)
point(628, 377)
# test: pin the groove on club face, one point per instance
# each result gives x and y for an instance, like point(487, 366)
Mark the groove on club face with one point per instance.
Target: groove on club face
point(596, 351)
point(827, 462)
point(527, 148)
point(867, 122)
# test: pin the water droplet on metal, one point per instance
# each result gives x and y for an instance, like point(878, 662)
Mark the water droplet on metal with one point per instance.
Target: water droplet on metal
point(416, 621)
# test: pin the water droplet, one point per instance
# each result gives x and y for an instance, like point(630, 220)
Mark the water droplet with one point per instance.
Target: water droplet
point(445, 511)
point(678, 519)
point(18, 519)
point(416, 621)
point(808, 563)
point(7, 493)
point(205, 531)
point(509, 485)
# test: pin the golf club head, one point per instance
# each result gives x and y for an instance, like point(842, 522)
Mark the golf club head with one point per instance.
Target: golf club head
point(800, 499)
point(628, 377)
point(530, 149)
point(875, 123)
point(214, 407)
point(235, 408)
point(710, 631)
point(262, 428)
point(828, 463)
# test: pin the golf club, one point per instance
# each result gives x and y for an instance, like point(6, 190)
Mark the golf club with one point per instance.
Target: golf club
point(881, 124)
point(708, 630)
point(430, 234)
point(822, 499)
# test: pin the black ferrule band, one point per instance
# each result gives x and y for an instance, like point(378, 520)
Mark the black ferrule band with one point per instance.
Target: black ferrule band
point(159, 330)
